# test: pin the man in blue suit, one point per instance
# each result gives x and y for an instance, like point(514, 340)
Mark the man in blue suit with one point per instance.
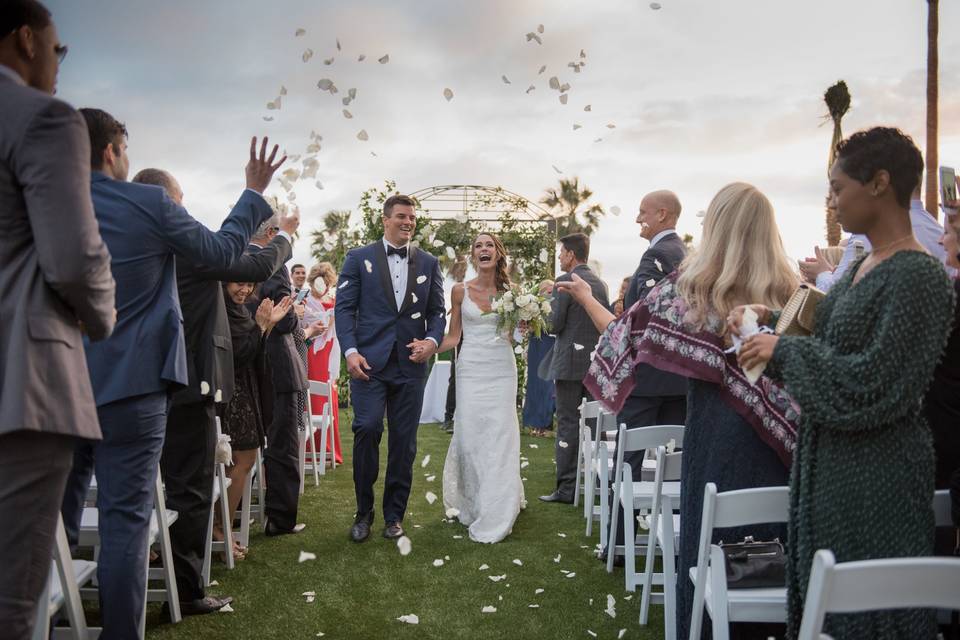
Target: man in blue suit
point(135, 371)
point(390, 319)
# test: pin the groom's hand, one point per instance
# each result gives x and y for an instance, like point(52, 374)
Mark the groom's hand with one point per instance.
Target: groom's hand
point(422, 350)
point(356, 364)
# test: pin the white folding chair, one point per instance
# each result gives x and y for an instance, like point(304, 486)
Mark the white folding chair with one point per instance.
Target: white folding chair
point(599, 473)
point(734, 509)
point(250, 510)
point(159, 534)
point(63, 592)
point(641, 491)
point(871, 585)
point(664, 528)
point(588, 410)
point(220, 485)
point(316, 463)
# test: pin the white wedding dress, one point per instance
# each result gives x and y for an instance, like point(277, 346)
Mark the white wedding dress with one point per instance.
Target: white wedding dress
point(481, 476)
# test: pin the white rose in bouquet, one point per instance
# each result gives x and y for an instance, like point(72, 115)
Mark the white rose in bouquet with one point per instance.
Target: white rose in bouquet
point(508, 305)
point(545, 308)
point(523, 300)
point(526, 315)
point(508, 296)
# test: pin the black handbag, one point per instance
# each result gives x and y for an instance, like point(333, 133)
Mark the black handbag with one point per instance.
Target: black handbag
point(755, 565)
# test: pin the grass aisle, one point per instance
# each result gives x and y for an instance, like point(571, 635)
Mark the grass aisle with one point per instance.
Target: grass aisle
point(363, 588)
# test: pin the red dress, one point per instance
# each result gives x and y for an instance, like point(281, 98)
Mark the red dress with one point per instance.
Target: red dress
point(320, 367)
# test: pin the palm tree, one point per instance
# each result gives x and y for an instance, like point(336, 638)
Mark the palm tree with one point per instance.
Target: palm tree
point(933, 63)
point(568, 204)
point(837, 99)
point(331, 243)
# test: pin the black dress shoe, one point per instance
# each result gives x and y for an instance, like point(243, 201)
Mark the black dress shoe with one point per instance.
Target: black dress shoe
point(198, 607)
point(392, 531)
point(556, 497)
point(618, 561)
point(270, 529)
point(360, 530)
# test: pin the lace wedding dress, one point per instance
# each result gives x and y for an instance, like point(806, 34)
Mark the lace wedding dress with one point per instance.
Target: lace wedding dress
point(481, 476)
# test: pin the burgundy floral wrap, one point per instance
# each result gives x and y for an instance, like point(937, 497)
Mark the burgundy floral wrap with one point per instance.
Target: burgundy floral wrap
point(658, 331)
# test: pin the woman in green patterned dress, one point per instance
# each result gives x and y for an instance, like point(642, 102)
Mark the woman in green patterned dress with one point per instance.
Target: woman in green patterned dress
point(862, 478)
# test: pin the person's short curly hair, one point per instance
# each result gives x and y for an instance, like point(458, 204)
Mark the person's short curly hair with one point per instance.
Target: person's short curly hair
point(888, 149)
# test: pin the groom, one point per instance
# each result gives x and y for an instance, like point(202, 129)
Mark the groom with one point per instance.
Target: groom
point(390, 319)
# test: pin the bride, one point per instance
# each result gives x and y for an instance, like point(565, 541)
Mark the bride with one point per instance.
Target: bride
point(481, 476)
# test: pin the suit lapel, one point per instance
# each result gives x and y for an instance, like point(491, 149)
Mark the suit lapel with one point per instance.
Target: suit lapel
point(411, 278)
point(383, 270)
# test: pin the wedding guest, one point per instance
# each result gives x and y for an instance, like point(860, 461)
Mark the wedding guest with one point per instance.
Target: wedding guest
point(618, 307)
point(865, 444)
point(187, 461)
point(288, 377)
point(298, 276)
point(144, 361)
point(738, 435)
point(323, 354)
point(539, 398)
point(576, 338)
point(819, 272)
point(942, 402)
point(244, 414)
point(56, 283)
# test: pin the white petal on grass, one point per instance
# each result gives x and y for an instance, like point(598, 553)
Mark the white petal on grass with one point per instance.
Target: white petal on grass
point(533, 606)
point(404, 545)
point(300, 32)
point(518, 562)
point(483, 567)
point(306, 555)
point(309, 593)
point(615, 210)
point(362, 135)
point(621, 633)
point(452, 513)
point(425, 461)
point(561, 535)
point(410, 618)
point(524, 464)
point(431, 478)
point(572, 574)
point(311, 599)
point(565, 572)
point(384, 60)
point(578, 347)
point(458, 537)
point(534, 446)
point(438, 562)
point(488, 609)
point(557, 559)
point(214, 583)
point(538, 591)
point(591, 633)
point(347, 114)
point(414, 316)
point(225, 609)
point(448, 94)
point(497, 578)
point(431, 497)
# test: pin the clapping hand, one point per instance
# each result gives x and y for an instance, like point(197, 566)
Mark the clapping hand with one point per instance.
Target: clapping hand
point(260, 169)
point(810, 268)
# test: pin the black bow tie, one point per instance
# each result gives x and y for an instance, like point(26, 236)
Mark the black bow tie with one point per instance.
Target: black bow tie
point(402, 251)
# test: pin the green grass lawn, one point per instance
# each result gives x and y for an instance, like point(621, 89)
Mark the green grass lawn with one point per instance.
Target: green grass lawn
point(363, 588)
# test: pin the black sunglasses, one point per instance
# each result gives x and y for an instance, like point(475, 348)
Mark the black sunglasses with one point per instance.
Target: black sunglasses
point(61, 51)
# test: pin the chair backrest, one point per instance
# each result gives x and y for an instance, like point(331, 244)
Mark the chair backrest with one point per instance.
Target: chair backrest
point(942, 508)
point(318, 388)
point(870, 585)
point(669, 467)
point(588, 409)
point(643, 438)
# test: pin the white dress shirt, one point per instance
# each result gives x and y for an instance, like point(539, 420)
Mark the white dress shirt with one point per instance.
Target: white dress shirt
point(660, 236)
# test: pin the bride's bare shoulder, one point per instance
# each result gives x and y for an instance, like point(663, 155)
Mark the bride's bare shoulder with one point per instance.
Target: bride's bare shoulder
point(457, 293)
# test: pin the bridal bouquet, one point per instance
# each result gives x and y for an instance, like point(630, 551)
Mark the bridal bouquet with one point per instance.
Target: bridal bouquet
point(516, 306)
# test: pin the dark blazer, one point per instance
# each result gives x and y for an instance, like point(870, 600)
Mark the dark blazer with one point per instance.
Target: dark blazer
point(205, 325)
point(366, 311)
point(144, 229)
point(54, 267)
point(576, 334)
point(288, 373)
point(657, 262)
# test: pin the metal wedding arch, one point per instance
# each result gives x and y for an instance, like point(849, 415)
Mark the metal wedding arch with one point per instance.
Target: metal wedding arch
point(482, 204)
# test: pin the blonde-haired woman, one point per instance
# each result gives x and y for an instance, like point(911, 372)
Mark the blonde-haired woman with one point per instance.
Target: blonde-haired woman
point(323, 355)
point(739, 435)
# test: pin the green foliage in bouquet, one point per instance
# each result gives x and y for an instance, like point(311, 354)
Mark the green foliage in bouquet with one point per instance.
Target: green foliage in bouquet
point(518, 306)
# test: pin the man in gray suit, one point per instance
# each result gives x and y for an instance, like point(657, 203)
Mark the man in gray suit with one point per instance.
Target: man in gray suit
point(55, 277)
point(576, 339)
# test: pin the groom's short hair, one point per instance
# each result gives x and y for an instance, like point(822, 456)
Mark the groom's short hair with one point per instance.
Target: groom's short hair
point(397, 199)
point(578, 244)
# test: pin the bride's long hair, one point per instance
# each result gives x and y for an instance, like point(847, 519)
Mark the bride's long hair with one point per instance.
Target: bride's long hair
point(501, 275)
point(740, 260)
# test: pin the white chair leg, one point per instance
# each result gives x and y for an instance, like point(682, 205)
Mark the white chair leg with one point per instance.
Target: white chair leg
point(629, 537)
point(245, 510)
point(324, 437)
point(581, 471)
point(669, 572)
point(646, 585)
point(225, 516)
point(261, 488)
point(310, 443)
point(41, 622)
point(207, 551)
point(718, 613)
point(302, 437)
point(614, 523)
point(166, 554)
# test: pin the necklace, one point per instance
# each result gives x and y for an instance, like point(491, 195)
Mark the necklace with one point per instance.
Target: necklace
point(877, 250)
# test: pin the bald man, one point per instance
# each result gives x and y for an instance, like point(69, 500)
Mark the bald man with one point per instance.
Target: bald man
point(658, 397)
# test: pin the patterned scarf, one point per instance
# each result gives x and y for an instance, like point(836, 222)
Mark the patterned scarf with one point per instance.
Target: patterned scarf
point(659, 331)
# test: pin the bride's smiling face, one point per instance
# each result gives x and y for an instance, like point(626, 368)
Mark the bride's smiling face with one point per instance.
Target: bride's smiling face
point(485, 254)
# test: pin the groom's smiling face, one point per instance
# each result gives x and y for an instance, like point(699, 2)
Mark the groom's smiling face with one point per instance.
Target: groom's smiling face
point(399, 226)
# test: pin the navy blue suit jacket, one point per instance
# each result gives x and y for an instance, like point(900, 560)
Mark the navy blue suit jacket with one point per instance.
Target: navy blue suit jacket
point(143, 230)
point(366, 313)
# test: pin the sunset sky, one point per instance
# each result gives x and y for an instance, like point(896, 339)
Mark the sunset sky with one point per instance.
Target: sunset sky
point(701, 93)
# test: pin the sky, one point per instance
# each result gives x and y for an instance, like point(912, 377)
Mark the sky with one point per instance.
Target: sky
point(701, 93)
